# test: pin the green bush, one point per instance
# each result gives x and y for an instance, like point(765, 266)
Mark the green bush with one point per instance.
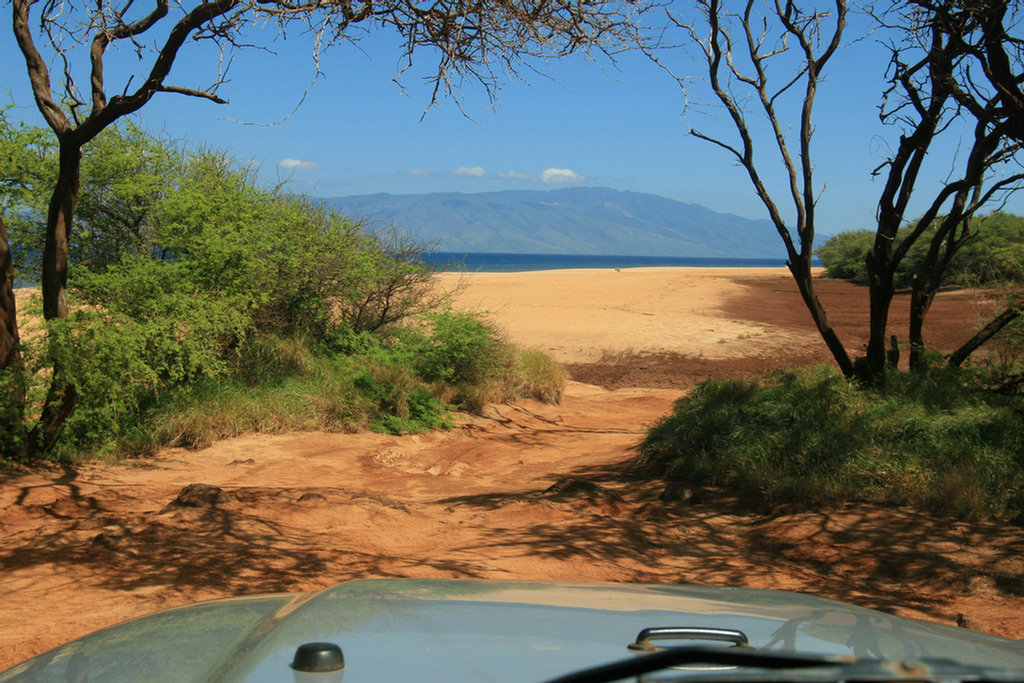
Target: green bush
point(400, 401)
point(844, 254)
point(813, 437)
point(205, 307)
point(537, 375)
point(994, 255)
point(460, 349)
point(478, 366)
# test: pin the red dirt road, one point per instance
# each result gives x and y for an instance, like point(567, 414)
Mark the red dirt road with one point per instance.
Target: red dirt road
point(526, 491)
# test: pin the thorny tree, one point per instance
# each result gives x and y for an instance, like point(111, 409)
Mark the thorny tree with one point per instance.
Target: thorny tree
point(483, 41)
point(934, 86)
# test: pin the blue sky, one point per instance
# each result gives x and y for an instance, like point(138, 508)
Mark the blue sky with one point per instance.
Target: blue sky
point(575, 122)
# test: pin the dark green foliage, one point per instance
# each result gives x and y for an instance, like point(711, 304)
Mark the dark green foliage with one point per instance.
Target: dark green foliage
point(994, 255)
point(844, 255)
point(12, 419)
point(935, 440)
point(400, 404)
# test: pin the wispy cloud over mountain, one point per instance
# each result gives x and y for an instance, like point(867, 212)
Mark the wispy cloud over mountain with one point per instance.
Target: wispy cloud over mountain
point(561, 175)
point(550, 176)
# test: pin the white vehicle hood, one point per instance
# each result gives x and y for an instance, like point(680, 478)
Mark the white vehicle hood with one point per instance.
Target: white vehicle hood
point(458, 631)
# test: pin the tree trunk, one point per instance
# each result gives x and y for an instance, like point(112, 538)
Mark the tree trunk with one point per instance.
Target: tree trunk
point(801, 271)
point(921, 299)
point(12, 381)
point(58, 231)
point(880, 293)
point(10, 342)
point(62, 396)
point(60, 404)
point(926, 286)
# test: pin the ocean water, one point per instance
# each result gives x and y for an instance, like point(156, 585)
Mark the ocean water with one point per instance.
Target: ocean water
point(512, 263)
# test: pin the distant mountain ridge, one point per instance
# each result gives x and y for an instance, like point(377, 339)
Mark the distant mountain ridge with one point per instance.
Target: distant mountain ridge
point(581, 220)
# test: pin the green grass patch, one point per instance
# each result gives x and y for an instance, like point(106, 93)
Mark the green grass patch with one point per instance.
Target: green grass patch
point(936, 441)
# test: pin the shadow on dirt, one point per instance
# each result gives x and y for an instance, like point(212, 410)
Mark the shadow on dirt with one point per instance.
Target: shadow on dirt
point(876, 557)
point(236, 542)
point(228, 541)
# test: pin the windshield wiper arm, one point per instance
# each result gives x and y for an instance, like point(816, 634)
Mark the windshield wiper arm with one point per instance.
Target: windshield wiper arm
point(679, 656)
point(780, 666)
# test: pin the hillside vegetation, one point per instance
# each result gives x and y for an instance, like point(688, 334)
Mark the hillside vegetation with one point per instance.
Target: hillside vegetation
point(204, 306)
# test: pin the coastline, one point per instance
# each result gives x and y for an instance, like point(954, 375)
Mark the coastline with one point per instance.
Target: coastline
point(504, 262)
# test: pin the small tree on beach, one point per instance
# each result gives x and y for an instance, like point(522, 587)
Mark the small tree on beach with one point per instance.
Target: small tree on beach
point(477, 41)
point(953, 66)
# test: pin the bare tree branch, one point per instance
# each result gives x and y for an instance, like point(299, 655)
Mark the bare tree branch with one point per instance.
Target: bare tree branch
point(933, 87)
point(764, 38)
point(997, 324)
point(192, 93)
point(38, 73)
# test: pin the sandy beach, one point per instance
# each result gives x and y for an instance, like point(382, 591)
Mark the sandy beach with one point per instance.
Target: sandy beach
point(673, 327)
point(584, 315)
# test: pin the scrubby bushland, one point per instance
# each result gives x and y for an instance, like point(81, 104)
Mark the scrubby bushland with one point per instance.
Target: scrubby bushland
point(203, 306)
point(935, 440)
point(388, 385)
point(993, 256)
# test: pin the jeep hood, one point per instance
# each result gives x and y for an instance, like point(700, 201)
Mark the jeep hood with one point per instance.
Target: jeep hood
point(405, 631)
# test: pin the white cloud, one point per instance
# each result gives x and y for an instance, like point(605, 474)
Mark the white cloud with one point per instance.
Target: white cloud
point(475, 171)
point(297, 165)
point(420, 171)
point(516, 175)
point(561, 175)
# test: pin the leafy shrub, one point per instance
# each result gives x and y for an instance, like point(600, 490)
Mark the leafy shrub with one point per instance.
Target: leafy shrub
point(844, 254)
point(205, 307)
point(813, 437)
point(460, 349)
point(400, 402)
point(994, 255)
point(477, 365)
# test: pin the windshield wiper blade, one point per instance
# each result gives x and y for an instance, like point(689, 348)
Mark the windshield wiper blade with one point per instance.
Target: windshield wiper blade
point(679, 656)
point(747, 665)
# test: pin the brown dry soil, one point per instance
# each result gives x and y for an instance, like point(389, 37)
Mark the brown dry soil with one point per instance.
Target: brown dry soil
point(525, 491)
